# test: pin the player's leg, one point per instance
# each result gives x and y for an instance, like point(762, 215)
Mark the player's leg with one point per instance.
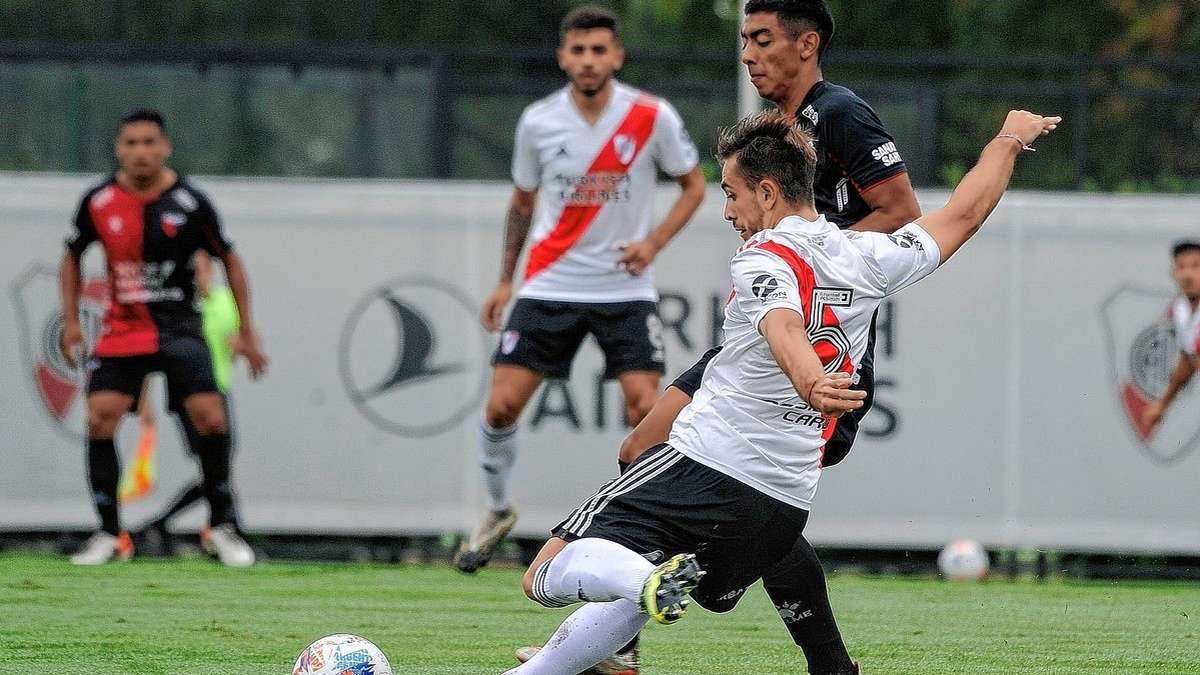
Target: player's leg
point(630, 335)
point(655, 427)
point(112, 388)
point(539, 341)
point(798, 589)
point(187, 364)
point(640, 388)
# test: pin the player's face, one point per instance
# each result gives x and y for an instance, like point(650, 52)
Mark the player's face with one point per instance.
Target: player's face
point(1187, 273)
point(742, 208)
point(772, 59)
point(589, 58)
point(142, 147)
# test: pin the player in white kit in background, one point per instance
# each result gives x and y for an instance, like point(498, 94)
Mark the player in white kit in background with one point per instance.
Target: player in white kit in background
point(1185, 321)
point(587, 158)
point(726, 497)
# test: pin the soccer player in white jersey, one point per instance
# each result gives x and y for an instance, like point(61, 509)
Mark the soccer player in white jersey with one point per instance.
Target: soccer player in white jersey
point(585, 164)
point(726, 497)
point(1185, 320)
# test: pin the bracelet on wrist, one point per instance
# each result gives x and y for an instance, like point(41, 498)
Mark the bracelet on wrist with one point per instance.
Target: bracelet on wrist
point(1025, 147)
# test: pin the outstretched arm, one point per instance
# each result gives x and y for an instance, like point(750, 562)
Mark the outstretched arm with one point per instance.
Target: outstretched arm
point(980, 190)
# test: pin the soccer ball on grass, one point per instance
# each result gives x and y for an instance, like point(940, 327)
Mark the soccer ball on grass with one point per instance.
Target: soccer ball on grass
point(963, 560)
point(342, 654)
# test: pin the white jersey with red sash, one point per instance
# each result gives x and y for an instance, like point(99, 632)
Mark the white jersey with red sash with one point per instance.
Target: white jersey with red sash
point(595, 188)
point(747, 420)
point(1186, 323)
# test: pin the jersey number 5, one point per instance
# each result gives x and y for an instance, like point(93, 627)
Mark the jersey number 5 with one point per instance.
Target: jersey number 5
point(824, 332)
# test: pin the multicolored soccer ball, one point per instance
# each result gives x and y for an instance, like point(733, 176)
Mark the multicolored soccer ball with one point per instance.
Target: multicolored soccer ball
point(963, 560)
point(342, 654)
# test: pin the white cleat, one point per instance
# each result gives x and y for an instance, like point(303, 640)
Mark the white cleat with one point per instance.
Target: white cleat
point(102, 547)
point(476, 550)
point(230, 548)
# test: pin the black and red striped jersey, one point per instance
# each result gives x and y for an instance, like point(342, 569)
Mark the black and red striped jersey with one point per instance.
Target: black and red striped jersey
point(149, 246)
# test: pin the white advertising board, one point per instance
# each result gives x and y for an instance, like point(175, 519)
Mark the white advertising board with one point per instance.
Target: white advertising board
point(1006, 379)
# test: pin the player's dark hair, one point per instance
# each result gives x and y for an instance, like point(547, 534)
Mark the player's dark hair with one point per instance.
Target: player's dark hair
point(797, 16)
point(142, 115)
point(1183, 246)
point(587, 17)
point(769, 145)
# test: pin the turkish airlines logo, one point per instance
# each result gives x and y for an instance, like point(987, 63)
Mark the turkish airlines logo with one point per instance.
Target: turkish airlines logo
point(56, 384)
point(1142, 351)
point(413, 358)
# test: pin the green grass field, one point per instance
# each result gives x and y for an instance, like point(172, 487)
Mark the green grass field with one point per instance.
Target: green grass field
point(193, 616)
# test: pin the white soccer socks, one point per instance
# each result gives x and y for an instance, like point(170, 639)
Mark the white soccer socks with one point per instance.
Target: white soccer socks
point(591, 570)
point(497, 455)
point(591, 634)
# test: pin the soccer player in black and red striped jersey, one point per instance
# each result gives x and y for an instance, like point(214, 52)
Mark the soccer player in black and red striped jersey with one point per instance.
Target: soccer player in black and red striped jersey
point(150, 223)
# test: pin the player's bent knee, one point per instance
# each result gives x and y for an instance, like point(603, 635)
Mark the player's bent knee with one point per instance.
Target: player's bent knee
point(501, 414)
point(527, 581)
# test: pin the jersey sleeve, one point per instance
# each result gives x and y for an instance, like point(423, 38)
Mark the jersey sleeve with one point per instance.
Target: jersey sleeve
point(763, 281)
point(855, 139)
point(212, 237)
point(673, 149)
point(689, 381)
point(84, 231)
point(526, 169)
point(904, 257)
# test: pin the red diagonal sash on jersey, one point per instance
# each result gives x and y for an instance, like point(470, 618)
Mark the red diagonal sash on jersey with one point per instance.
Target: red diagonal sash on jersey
point(807, 280)
point(576, 218)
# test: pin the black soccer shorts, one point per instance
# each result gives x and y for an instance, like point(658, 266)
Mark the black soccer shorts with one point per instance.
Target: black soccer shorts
point(545, 335)
point(666, 503)
point(183, 359)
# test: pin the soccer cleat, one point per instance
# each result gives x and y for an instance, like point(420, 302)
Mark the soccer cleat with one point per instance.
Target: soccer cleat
point(857, 669)
point(230, 548)
point(476, 550)
point(617, 664)
point(102, 547)
point(664, 595)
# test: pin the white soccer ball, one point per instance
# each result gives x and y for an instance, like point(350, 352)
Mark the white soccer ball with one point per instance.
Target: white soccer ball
point(342, 654)
point(963, 560)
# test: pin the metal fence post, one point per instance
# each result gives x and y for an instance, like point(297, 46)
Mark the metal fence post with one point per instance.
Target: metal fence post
point(442, 126)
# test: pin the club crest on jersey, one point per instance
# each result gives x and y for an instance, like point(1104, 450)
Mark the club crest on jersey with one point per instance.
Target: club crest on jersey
point(171, 222)
point(1141, 353)
point(625, 146)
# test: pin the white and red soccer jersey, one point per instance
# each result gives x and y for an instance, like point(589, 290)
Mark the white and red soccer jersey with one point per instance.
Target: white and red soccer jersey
point(747, 420)
point(595, 188)
point(1186, 323)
